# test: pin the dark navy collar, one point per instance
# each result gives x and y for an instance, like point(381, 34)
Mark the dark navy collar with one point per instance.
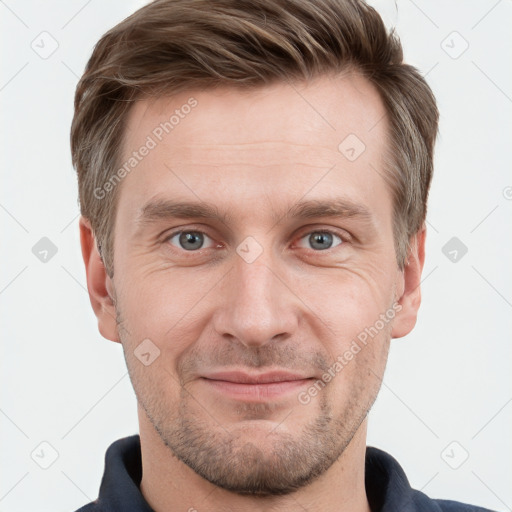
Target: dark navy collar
point(387, 487)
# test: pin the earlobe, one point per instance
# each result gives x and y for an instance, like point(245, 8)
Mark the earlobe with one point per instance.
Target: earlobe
point(99, 284)
point(410, 298)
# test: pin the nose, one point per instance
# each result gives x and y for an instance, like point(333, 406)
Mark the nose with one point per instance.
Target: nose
point(257, 306)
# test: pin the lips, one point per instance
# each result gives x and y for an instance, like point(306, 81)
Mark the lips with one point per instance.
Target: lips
point(262, 378)
point(253, 387)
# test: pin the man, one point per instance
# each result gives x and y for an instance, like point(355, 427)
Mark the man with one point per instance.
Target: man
point(253, 181)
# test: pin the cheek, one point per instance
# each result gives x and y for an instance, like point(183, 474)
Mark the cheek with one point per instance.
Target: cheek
point(156, 387)
point(348, 300)
point(359, 313)
point(166, 307)
point(358, 371)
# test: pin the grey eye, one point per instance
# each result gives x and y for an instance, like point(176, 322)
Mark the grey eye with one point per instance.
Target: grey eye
point(189, 240)
point(321, 240)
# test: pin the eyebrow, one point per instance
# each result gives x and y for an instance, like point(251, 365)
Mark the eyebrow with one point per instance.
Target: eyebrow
point(163, 209)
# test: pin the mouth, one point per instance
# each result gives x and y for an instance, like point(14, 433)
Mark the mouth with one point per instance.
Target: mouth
point(256, 387)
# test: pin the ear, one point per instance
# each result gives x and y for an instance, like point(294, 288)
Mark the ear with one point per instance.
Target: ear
point(99, 284)
point(410, 292)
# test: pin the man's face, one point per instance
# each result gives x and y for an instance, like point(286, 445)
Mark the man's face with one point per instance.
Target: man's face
point(276, 288)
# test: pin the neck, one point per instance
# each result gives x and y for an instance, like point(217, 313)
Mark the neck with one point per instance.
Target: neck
point(167, 483)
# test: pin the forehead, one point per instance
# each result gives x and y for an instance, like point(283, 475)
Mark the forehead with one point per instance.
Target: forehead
point(333, 106)
point(279, 142)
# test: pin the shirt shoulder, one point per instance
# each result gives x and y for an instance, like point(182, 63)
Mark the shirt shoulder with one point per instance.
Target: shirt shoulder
point(388, 489)
point(119, 489)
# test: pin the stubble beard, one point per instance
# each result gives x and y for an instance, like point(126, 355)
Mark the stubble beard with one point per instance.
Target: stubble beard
point(228, 458)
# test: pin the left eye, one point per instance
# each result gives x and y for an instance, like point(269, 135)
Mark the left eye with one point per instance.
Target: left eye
point(189, 240)
point(321, 240)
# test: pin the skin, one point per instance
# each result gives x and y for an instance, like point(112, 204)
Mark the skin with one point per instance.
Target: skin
point(254, 155)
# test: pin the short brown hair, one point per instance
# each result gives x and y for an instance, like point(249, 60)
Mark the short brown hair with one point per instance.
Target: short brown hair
point(169, 46)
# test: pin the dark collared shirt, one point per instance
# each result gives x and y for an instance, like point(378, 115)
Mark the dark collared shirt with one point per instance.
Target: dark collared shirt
point(387, 487)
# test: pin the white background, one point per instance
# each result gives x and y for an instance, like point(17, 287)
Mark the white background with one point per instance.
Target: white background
point(449, 380)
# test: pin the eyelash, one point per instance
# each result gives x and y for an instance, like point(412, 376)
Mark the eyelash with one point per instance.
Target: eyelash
point(344, 239)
